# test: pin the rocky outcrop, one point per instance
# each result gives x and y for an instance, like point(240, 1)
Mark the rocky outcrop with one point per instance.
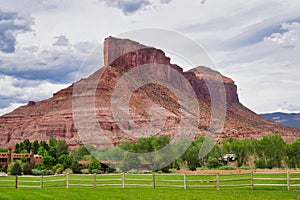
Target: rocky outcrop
point(54, 117)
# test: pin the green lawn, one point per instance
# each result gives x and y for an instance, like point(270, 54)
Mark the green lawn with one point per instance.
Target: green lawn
point(42, 187)
point(143, 193)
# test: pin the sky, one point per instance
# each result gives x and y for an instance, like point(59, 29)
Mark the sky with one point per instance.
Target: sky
point(256, 43)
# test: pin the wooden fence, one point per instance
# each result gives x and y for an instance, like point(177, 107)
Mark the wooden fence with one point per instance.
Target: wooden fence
point(217, 181)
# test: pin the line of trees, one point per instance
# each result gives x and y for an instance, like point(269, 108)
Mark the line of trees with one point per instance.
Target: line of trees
point(268, 152)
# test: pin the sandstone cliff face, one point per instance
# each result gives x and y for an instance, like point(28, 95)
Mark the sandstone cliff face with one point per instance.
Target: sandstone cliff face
point(54, 117)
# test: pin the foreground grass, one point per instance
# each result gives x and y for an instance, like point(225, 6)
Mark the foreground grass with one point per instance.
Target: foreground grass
point(144, 193)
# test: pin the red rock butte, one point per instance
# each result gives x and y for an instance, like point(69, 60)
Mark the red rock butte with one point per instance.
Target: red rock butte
point(53, 117)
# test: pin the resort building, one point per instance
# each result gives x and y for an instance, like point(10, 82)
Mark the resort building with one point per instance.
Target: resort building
point(9, 157)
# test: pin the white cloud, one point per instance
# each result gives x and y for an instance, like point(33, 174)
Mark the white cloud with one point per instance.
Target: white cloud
point(288, 39)
point(129, 7)
point(12, 24)
point(244, 38)
point(268, 72)
point(9, 108)
point(15, 91)
point(59, 63)
point(61, 40)
point(165, 1)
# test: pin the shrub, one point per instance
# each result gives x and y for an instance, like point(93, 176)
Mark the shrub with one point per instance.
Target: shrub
point(245, 167)
point(76, 168)
point(39, 167)
point(68, 171)
point(111, 170)
point(95, 164)
point(166, 169)
point(27, 169)
point(35, 172)
point(227, 168)
point(24, 160)
point(192, 168)
point(16, 169)
point(260, 164)
point(3, 169)
point(44, 172)
point(213, 163)
point(85, 171)
point(58, 168)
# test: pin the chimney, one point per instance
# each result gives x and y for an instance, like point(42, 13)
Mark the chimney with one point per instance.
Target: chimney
point(31, 157)
point(10, 158)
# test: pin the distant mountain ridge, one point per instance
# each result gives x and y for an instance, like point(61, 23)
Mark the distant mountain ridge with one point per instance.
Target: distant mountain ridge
point(286, 119)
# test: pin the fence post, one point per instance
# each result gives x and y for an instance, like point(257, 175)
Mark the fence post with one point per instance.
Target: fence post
point(42, 182)
point(184, 181)
point(67, 180)
point(288, 180)
point(252, 180)
point(153, 180)
point(16, 181)
point(123, 180)
point(95, 180)
point(218, 182)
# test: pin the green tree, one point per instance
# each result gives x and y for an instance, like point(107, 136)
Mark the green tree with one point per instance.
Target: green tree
point(42, 151)
point(49, 161)
point(24, 151)
point(272, 149)
point(52, 148)
point(127, 146)
point(16, 169)
point(216, 152)
point(191, 157)
point(52, 142)
point(3, 150)
point(65, 160)
point(61, 148)
point(160, 142)
point(94, 165)
point(144, 145)
point(241, 148)
point(130, 161)
point(44, 145)
point(293, 154)
point(26, 169)
point(17, 148)
point(80, 152)
point(35, 146)
point(26, 145)
point(111, 153)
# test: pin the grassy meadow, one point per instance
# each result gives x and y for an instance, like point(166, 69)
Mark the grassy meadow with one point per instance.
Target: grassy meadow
point(140, 186)
point(81, 193)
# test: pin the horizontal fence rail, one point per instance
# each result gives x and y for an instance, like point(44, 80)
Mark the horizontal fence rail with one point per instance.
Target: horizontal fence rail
point(217, 181)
